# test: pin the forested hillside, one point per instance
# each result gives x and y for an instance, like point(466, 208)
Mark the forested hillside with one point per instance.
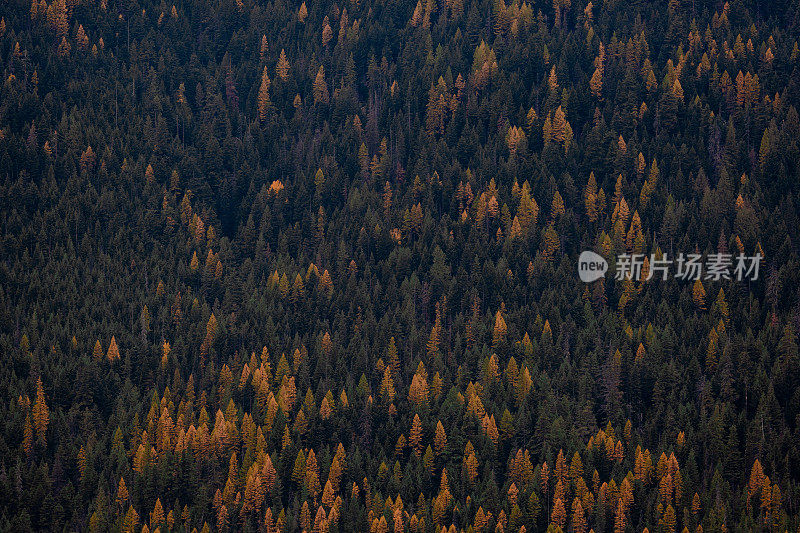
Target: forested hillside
point(284, 266)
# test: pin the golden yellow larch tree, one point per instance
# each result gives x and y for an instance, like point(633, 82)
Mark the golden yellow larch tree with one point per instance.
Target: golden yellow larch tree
point(492, 370)
point(131, 520)
point(551, 242)
point(264, 47)
point(590, 198)
point(327, 32)
point(561, 131)
point(490, 428)
point(677, 90)
point(222, 518)
point(393, 359)
point(641, 165)
point(320, 88)
point(157, 516)
point(263, 96)
point(387, 391)
point(558, 515)
point(650, 78)
point(416, 16)
point(27, 436)
point(211, 329)
point(113, 351)
point(122, 493)
point(699, 295)
point(428, 460)
point(756, 480)
point(619, 518)
point(326, 284)
point(415, 435)
point(557, 205)
point(282, 68)
point(320, 521)
point(312, 475)
point(481, 521)
point(578, 516)
point(669, 520)
point(299, 470)
point(649, 186)
point(300, 425)
point(326, 406)
point(440, 438)
point(500, 329)
point(81, 459)
point(97, 351)
point(528, 211)
point(335, 474)
point(596, 82)
point(471, 468)
point(418, 391)
point(81, 38)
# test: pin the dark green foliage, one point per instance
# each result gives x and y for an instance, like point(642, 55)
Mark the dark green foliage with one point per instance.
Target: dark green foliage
point(138, 172)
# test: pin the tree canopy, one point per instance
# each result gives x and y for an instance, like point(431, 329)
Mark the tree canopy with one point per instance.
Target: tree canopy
point(270, 266)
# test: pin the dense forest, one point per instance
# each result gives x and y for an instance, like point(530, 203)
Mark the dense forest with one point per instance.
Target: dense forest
point(284, 266)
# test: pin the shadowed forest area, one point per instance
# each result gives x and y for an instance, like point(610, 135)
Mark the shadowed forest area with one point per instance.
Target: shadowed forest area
point(285, 266)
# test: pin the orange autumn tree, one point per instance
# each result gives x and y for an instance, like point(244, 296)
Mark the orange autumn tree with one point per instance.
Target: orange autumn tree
point(97, 351)
point(440, 438)
point(41, 413)
point(418, 391)
point(312, 475)
point(387, 391)
point(500, 329)
point(282, 68)
point(415, 435)
point(320, 88)
point(263, 96)
point(590, 196)
point(596, 82)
